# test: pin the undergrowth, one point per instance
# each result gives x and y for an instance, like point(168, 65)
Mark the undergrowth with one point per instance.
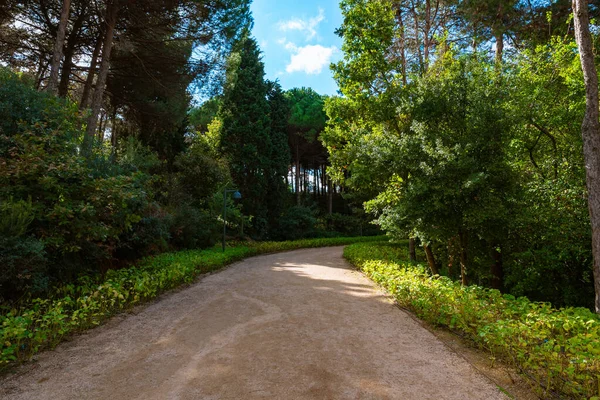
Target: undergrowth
point(33, 325)
point(557, 349)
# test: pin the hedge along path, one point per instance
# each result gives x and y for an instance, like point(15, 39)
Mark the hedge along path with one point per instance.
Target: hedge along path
point(296, 325)
point(557, 350)
point(43, 323)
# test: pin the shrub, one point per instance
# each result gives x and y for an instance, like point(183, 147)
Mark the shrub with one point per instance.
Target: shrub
point(557, 349)
point(296, 222)
point(42, 323)
point(193, 228)
point(23, 267)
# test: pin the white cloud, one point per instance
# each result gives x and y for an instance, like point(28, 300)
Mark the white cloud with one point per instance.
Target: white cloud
point(309, 59)
point(309, 27)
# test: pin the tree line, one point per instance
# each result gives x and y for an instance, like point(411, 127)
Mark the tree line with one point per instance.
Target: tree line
point(104, 159)
point(460, 127)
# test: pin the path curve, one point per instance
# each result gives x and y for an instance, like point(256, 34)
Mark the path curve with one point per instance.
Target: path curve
point(295, 325)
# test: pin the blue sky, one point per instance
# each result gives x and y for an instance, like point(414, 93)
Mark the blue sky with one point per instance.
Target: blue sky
point(298, 41)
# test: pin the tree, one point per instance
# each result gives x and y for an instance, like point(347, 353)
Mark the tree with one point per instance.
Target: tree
point(280, 153)
point(307, 120)
point(246, 130)
point(590, 131)
point(111, 13)
point(58, 47)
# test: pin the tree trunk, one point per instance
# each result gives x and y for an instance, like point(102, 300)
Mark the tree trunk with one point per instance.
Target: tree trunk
point(451, 256)
point(497, 271)
point(113, 130)
point(39, 76)
point(111, 20)
point(58, 47)
point(426, 33)
point(297, 174)
point(412, 253)
point(65, 75)
point(417, 38)
point(87, 89)
point(431, 260)
point(590, 131)
point(329, 196)
point(402, 44)
point(463, 236)
point(499, 48)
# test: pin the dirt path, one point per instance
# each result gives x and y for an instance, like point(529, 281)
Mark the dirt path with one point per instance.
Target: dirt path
point(296, 325)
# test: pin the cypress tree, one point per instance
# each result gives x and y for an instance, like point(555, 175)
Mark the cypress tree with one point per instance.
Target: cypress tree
point(280, 152)
point(246, 131)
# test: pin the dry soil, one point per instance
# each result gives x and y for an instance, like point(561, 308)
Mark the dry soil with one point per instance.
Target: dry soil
point(296, 325)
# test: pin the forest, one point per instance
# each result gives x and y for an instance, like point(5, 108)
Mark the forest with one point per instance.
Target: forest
point(458, 126)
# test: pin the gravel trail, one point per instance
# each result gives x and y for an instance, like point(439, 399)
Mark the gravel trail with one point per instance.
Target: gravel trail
point(295, 325)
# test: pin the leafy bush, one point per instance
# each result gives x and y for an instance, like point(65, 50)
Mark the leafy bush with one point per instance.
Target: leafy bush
point(557, 349)
point(79, 206)
point(149, 236)
point(344, 224)
point(296, 222)
point(193, 228)
point(22, 258)
point(42, 323)
point(23, 266)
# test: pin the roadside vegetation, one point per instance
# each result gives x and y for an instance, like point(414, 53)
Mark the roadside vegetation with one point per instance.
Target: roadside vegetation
point(557, 350)
point(39, 323)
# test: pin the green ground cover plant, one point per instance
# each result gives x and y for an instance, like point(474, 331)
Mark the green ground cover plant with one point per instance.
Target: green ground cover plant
point(557, 349)
point(42, 323)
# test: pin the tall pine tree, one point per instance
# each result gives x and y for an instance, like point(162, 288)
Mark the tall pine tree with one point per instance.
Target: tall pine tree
point(246, 131)
point(280, 152)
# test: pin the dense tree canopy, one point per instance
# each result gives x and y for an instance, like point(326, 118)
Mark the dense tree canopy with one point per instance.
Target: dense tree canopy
point(473, 150)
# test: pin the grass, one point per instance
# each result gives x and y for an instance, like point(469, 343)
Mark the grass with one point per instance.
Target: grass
point(40, 323)
point(558, 350)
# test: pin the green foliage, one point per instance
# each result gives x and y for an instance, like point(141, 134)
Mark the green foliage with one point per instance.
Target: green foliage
point(280, 154)
point(246, 130)
point(199, 174)
point(63, 215)
point(43, 323)
point(201, 117)
point(23, 266)
point(307, 117)
point(297, 222)
point(556, 349)
point(193, 228)
point(78, 207)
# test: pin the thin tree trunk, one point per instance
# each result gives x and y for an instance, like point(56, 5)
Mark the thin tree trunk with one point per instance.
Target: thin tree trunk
point(497, 270)
point(43, 67)
point(463, 236)
point(297, 173)
point(87, 89)
point(330, 196)
point(58, 47)
point(426, 33)
point(590, 131)
point(113, 130)
point(451, 256)
point(417, 36)
point(111, 20)
point(402, 43)
point(431, 260)
point(305, 181)
point(412, 252)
